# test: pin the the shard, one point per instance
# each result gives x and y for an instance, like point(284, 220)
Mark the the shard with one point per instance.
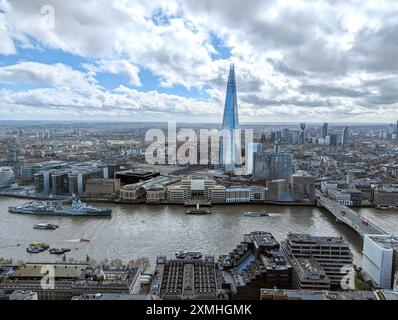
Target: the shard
point(228, 145)
point(230, 119)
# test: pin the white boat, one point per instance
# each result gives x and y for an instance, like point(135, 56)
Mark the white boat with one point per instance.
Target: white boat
point(256, 214)
point(45, 226)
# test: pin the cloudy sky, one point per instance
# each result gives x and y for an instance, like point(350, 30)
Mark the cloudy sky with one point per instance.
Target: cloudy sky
point(138, 60)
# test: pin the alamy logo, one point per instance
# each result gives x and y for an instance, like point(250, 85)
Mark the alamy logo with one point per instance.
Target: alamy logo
point(47, 282)
point(216, 147)
point(47, 19)
point(348, 280)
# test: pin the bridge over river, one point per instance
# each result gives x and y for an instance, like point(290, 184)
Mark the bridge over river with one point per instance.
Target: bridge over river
point(348, 216)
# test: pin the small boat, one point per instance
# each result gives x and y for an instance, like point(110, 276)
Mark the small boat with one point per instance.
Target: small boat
point(45, 226)
point(32, 249)
point(197, 211)
point(84, 240)
point(256, 214)
point(188, 255)
point(36, 247)
point(59, 250)
point(42, 245)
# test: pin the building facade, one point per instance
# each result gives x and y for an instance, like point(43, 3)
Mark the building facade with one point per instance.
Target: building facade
point(102, 188)
point(332, 253)
point(303, 187)
point(6, 177)
point(380, 259)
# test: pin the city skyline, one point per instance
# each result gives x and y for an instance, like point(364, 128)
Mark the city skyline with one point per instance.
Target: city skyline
point(143, 62)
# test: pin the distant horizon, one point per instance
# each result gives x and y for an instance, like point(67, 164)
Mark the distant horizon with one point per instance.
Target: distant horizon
point(88, 121)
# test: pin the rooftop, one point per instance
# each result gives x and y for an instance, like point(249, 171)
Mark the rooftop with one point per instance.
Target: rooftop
point(261, 238)
point(385, 241)
point(61, 270)
point(316, 294)
point(304, 237)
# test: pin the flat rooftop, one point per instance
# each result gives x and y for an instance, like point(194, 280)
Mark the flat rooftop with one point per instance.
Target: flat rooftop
point(275, 260)
point(304, 237)
point(316, 294)
point(261, 238)
point(137, 173)
point(61, 270)
point(309, 264)
point(385, 241)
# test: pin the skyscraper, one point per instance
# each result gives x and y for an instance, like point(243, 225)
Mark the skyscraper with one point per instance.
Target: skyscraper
point(344, 137)
point(228, 146)
point(333, 139)
point(302, 137)
point(273, 165)
point(324, 130)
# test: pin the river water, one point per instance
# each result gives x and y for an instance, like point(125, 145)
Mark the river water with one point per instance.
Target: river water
point(147, 231)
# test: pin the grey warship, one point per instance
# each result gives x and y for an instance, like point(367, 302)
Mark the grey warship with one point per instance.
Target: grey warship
point(59, 208)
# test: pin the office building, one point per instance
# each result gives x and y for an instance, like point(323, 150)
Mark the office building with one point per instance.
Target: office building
point(332, 253)
point(27, 171)
point(325, 130)
point(308, 274)
point(345, 137)
point(6, 177)
point(77, 179)
point(197, 186)
point(333, 139)
point(255, 263)
point(177, 194)
point(385, 196)
point(302, 133)
point(273, 165)
point(346, 197)
point(58, 183)
point(186, 279)
point(380, 259)
point(13, 158)
point(102, 188)
point(276, 190)
point(237, 194)
point(257, 193)
point(303, 187)
point(217, 194)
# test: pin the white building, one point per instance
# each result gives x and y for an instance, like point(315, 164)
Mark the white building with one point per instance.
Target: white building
point(177, 194)
point(379, 253)
point(327, 185)
point(343, 198)
point(6, 177)
point(237, 195)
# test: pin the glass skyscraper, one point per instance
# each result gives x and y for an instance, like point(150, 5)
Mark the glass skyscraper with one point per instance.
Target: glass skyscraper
point(228, 145)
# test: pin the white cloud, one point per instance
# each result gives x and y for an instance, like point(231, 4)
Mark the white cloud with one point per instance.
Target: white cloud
point(55, 75)
point(121, 66)
point(319, 60)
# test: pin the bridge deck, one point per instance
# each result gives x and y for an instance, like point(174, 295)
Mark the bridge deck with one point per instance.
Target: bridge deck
point(349, 217)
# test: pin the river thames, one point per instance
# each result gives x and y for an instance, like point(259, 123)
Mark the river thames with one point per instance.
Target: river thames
point(147, 231)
